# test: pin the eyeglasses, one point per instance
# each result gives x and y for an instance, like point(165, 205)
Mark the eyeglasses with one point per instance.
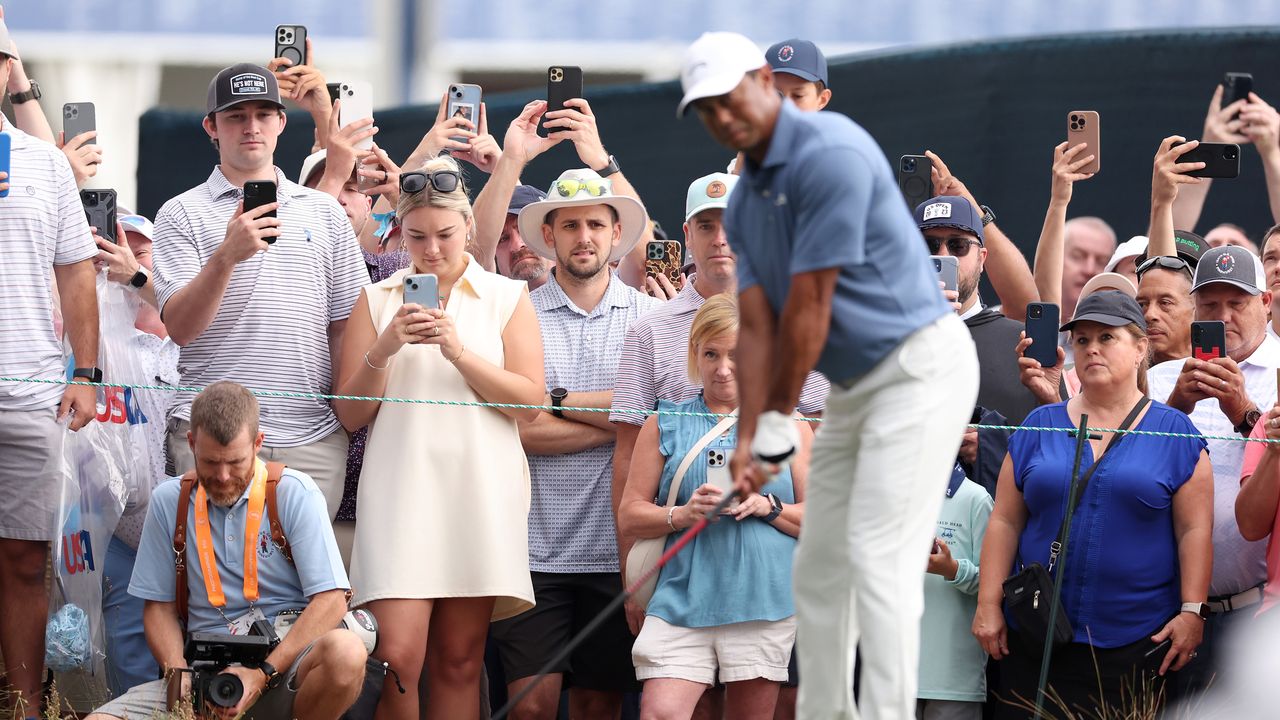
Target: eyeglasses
point(957, 246)
point(1167, 262)
point(441, 180)
point(594, 188)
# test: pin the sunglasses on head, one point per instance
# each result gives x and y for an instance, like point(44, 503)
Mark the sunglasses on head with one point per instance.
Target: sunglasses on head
point(592, 187)
point(441, 180)
point(1167, 262)
point(957, 246)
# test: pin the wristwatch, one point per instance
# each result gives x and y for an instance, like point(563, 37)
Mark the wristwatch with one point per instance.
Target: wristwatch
point(140, 278)
point(557, 397)
point(776, 504)
point(1251, 418)
point(1197, 608)
point(609, 169)
point(92, 374)
point(273, 675)
point(32, 94)
point(988, 215)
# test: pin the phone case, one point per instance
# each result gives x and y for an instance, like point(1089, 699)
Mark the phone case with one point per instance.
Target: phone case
point(1208, 339)
point(464, 100)
point(1042, 328)
point(563, 83)
point(948, 269)
point(333, 89)
point(718, 471)
point(258, 193)
point(291, 43)
point(1236, 86)
point(914, 179)
point(1221, 160)
point(78, 118)
point(357, 103)
point(1085, 126)
point(422, 290)
point(100, 211)
point(6, 143)
point(663, 257)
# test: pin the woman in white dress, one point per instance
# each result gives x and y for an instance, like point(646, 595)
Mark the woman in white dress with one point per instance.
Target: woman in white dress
point(441, 544)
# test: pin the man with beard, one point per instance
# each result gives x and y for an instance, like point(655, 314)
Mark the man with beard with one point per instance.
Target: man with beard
point(514, 258)
point(584, 310)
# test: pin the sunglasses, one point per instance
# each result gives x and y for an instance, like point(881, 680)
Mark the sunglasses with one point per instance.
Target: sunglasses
point(1176, 264)
point(569, 188)
point(441, 180)
point(957, 246)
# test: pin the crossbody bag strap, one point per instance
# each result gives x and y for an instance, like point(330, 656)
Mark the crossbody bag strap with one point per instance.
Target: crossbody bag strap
point(695, 452)
point(181, 591)
point(275, 471)
point(1056, 548)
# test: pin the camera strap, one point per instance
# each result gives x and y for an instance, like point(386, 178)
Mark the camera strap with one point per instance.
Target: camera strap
point(253, 523)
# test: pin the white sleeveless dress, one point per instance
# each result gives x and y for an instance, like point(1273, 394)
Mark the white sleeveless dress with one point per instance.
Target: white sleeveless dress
point(443, 503)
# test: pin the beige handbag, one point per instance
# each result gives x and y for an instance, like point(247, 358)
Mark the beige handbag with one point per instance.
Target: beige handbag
point(646, 552)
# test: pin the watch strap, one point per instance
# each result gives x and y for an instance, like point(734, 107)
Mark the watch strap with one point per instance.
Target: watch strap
point(557, 397)
point(1250, 419)
point(1199, 609)
point(140, 278)
point(988, 215)
point(776, 504)
point(273, 675)
point(609, 169)
point(92, 374)
point(27, 96)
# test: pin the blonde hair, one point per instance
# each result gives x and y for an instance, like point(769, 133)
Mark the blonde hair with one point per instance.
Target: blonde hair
point(430, 197)
point(717, 318)
point(1137, 333)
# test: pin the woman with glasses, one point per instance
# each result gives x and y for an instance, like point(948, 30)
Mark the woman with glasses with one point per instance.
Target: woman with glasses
point(441, 539)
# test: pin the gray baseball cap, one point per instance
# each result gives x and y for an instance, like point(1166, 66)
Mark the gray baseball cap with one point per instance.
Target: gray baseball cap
point(6, 43)
point(1232, 265)
point(242, 83)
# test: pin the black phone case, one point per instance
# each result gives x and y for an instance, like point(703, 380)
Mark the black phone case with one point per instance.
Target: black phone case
point(1043, 331)
point(1208, 339)
point(914, 179)
point(1236, 86)
point(563, 83)
point(258, 193)
point(1221, 160)
point(100, 211)
point(291, 43)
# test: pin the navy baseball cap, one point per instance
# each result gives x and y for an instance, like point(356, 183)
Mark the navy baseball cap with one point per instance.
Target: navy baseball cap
point(950, 211)
point(800, 58)
point(1109, 307)
point(524, 195)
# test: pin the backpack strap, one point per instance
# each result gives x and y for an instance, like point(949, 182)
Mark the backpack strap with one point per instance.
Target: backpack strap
point(182, 592)
point(275, 471)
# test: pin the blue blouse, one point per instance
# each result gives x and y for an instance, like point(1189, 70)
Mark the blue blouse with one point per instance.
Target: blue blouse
point(1121, 562)
point(732, 571)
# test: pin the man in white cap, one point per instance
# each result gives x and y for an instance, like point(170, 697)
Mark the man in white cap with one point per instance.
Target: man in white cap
point(584, 311)
point(1124, 261)
point(832, 275)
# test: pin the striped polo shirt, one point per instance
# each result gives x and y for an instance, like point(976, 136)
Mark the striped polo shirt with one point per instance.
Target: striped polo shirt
point(571, 527)
point(42, 224)
point(655, 363)
point(271, 330)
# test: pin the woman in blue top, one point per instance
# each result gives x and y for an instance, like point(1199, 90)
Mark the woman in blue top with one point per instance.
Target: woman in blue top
point(1139, 554)
point(724, 602)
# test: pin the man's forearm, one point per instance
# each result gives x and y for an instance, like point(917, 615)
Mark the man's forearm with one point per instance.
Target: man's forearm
point(549, 435)
point(1007, 269)
point(77, 290)
point(490, 209)
point(802, 331)
point(321, 615)
point(30, 119)
point(599, 399)
point(1188, 205)
point(190, 312)
point(163, 633)
point(754, 358)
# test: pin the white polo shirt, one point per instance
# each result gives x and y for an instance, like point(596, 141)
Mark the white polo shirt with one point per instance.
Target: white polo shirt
point(271, 330)
point(42, 224)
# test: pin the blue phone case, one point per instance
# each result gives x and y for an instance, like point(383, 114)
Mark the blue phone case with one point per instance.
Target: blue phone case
point(5, 146)
point(423, 290)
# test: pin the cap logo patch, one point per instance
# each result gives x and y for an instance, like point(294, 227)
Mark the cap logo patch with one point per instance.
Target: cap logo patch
point(248, 84)
point(716, 189)
point(1226, 264)
point(785, 53)
point(937, 210)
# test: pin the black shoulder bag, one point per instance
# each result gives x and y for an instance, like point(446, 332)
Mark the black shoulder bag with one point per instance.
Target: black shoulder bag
point(1028, 595)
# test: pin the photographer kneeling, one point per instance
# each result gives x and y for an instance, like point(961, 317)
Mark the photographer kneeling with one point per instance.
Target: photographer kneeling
point(252, 557)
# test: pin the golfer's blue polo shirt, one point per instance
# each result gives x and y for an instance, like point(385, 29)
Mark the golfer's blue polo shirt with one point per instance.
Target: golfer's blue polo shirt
point(825, 197)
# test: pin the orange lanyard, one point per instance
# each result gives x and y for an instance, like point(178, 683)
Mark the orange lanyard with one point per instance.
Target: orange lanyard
point(253, 522)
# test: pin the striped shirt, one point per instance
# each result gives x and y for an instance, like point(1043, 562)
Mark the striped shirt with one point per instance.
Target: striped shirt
point(42, 224)
point(271, 331)
point(571, 527)
point(655, 363)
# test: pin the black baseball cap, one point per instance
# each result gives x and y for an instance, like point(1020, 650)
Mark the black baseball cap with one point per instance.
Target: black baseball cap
point(800, 58)
point(524, 195)
point(242, 83)
point(1109, 307)
point(1189, 246)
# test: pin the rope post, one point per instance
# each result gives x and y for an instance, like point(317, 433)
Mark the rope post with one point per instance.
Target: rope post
point(1055, 605)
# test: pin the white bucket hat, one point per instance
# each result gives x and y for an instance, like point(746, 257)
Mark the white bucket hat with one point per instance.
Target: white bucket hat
point(631, 213)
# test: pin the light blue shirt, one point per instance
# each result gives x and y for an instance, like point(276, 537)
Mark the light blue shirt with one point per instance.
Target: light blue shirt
point(282, 586)
point(825, 197)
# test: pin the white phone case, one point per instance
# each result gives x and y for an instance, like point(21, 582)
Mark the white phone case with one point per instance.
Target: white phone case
point(357, 103)
point(718, 470)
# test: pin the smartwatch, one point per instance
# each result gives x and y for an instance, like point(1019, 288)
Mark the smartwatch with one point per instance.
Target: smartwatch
point(776, 504)
point(609, 169)
point(1251, 418)
point(1197, 608)
point(32, 94)
point(273, 675)
point(139, 279)
point(557, 398)
point(92, 374)
point(988, 215)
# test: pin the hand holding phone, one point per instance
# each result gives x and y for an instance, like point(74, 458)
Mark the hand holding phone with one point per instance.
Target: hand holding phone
point(1042, 328)
point(1085, 126)
point(564, 83)
point(948, 269)
point(464, 102)
point(100, 211)
point(422, 289)
point(718, 473)
point(1221, 160)
point(663, 258)
point(77, 119)
point(1236, 86)
point(914, 179)
point(1208, 339)
point(291, 44)
point(357, 104)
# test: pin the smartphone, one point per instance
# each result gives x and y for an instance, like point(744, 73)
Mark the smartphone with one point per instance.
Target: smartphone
point(1236, 86)
point(6, 141)
point(663, 257)
point(100, 210)
point(78, 118)
point(718, 471)
point(1208, 339)
point(291, 44)
point(1221, 160)
point(948, 269)
point(422, 290)
point(1164, 645)
point(464, 100)
point(258, 193)
point(1084, 126)
point(563, 83)
point(357, 103)
point(1042, 328)
point(914, 180)
point(334, 89)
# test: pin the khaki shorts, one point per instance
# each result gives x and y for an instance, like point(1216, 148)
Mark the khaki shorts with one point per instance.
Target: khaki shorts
point(741, 651)
point(30, 474)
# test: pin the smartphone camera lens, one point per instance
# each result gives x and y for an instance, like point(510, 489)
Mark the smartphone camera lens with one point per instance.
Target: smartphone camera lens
point(1229, 153)
point(1034, 312)
point(908, 164)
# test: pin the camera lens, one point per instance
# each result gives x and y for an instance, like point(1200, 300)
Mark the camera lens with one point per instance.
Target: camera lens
point(909, 164)
point(1075, 118)
point(1229, 153)
point(225, 690)
point(1035, 312)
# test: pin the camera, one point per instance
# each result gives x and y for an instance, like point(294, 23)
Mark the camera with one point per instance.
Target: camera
point(1035, 311)
point(908, 164)
point(211, 653)
point(1077, 122)
point(1229, 152)
point(556, 75)
point(70, 111)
